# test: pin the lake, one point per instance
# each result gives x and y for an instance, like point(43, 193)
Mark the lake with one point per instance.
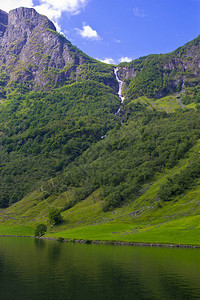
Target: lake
point(43, 269)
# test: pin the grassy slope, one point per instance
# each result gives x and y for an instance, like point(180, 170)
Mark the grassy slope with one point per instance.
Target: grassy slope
point(168, 103)
point(145, 220)
point(174, 223)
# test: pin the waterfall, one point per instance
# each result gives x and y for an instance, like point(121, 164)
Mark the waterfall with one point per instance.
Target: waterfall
point(120, 82)
point(120, 89)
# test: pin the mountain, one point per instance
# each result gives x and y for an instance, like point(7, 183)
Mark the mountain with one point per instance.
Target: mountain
point(63, 144)
point(56, 101)
point(34, 56)
point(159, 75)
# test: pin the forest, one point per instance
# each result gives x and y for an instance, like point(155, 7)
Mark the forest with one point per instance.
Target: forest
point(70, 136)
point(43, 132)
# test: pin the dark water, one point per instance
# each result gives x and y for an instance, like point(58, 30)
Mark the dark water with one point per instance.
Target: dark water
point(38, 269)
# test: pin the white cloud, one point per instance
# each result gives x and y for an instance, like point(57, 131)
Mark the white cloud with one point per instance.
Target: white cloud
point(53, 14)
point(56, 7)
point(8, 5)
point(53, 9)
point(107, 60)
point(50, 8)
point(73, 7)
point(88, 33)
point(117, 41)
point(124, 59)
point(138, 12)
point(111, 61)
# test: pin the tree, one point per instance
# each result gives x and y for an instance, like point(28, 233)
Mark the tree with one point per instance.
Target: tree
point(55, 216)
point(41, 229)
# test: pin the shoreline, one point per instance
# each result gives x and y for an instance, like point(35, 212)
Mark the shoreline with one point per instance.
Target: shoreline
point(115, 243)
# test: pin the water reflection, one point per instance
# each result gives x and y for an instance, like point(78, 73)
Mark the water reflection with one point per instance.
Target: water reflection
point(54, 252)
point(38, 269)
point(39, 243)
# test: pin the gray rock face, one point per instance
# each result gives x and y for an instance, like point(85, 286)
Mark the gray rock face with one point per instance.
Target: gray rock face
point(3, 22)
point(3, 17)
point(32, 52)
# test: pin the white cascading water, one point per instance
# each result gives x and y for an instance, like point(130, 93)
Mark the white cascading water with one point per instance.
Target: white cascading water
point(120, 89)
point(119, 93)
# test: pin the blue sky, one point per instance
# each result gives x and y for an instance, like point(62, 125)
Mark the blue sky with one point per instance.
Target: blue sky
point(117, 30)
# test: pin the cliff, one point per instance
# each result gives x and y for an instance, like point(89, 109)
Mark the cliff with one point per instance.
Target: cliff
point(34, 54)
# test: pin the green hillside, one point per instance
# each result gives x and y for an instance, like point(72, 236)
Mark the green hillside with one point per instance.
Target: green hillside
point(144, 220)
point(156, 76)
point(85, 192)
point(131, 177)
point(42, 132)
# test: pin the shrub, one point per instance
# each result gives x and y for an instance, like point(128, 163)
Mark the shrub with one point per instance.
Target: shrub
point(55, 216)
point(41, 229)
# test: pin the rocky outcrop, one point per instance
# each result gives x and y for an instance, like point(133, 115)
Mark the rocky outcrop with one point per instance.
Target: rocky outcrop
point(32, 52)
point(34, 56)
point(3, 22)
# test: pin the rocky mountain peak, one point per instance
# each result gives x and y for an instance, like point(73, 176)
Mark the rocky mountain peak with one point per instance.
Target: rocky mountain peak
point(30, 48)
point(34, 56)
point(29, 18)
